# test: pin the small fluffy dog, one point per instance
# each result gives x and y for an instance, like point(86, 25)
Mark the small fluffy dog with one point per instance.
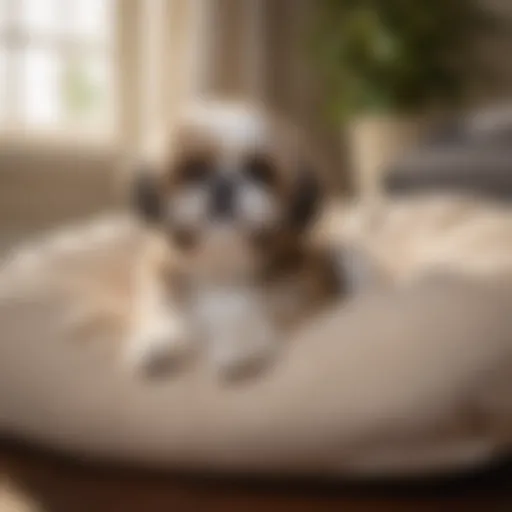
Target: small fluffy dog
point(228, 262)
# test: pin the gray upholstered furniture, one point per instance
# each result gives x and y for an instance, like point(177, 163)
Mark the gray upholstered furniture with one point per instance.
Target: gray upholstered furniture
point(471, 152)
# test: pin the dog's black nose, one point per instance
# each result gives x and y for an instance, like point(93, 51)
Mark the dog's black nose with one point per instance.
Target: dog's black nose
point(223, 197)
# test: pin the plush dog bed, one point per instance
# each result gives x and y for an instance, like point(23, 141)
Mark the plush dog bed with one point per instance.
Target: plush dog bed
point(403, 382)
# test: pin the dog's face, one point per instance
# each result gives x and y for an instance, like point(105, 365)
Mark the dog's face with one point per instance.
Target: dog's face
point(234, 186)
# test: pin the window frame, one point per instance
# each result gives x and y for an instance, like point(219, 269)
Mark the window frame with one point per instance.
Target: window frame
point(124, 58)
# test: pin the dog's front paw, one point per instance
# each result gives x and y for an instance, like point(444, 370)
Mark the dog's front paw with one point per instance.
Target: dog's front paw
point(246, 356)
point(240, 365)
point(158, 348)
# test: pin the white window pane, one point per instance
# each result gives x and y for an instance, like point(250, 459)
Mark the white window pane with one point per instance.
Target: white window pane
point(87, 91)
point(3, 13)
point(42, 16)
point(40, 98)
point(92, 19)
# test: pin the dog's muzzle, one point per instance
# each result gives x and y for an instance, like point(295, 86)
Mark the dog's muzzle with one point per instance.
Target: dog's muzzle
point(223, 198)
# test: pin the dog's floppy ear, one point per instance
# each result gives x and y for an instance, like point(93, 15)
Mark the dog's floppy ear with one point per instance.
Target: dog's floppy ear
point(146, 197)
point(306, 199)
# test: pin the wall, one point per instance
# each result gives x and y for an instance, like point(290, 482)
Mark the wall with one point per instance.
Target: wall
point(253, 47)
point(40, 189)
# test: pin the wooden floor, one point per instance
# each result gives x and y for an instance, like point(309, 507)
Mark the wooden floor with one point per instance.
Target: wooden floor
point(58, 484)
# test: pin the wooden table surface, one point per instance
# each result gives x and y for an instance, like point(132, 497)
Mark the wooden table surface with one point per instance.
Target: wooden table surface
point(58, 484)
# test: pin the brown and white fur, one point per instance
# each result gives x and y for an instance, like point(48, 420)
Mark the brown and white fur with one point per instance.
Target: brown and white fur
point(265, 284)
point(228, 263)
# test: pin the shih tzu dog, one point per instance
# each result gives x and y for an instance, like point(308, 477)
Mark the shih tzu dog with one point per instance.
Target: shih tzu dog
point(228, 263)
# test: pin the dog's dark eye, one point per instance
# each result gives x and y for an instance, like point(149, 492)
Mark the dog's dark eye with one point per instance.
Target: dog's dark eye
point(194, 170)
point(261, 170)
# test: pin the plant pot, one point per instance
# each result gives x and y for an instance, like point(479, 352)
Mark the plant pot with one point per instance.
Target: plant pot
point(375, 143)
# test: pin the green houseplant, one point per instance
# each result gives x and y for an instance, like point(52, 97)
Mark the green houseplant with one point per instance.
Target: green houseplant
point(388, 64)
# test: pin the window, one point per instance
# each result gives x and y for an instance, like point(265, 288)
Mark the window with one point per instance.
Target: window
point(57, 67)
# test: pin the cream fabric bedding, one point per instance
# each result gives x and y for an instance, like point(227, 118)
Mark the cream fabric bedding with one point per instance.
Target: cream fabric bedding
point(412, 237)
point(414, 380)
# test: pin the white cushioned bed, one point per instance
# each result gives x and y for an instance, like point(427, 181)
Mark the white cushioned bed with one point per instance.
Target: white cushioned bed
point(402, 382)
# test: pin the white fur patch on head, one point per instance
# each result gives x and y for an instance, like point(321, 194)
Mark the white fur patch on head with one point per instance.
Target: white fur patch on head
point(237, 124)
